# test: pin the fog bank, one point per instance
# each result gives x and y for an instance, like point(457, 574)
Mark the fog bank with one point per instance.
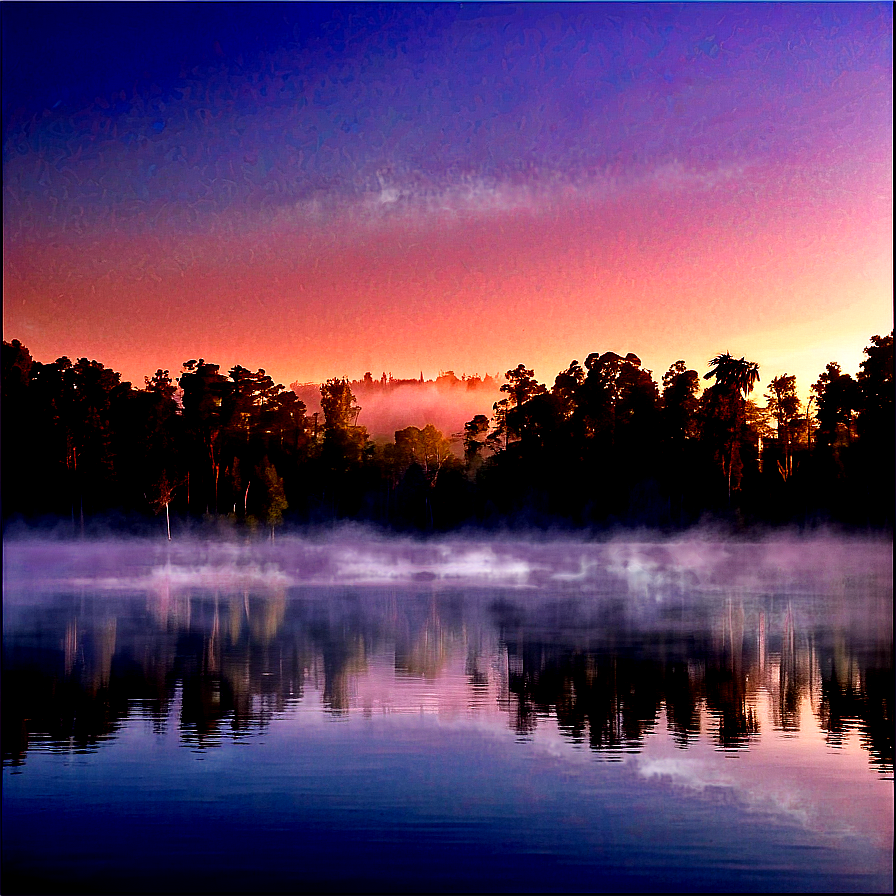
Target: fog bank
point(392, 407)
point(351, 556)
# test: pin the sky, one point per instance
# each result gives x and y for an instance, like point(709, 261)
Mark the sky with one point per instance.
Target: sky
point(322, 190)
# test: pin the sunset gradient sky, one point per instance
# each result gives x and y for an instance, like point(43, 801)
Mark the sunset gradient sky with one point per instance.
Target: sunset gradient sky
point(323, 190)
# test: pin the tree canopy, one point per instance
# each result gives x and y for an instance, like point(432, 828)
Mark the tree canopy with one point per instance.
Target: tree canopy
point(604, 445)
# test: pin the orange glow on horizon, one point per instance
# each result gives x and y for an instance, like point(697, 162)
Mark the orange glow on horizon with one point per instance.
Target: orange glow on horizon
point(480, 296)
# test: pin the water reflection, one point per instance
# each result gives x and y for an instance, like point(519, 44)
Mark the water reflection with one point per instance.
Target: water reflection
point(607, 663)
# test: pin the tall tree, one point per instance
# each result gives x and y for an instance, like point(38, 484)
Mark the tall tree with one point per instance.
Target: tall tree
point(521, 385)
point(876, 426)
point(273, 504)
point(679, 400)
point(17, 408)
point(475, 432)
point(160, 497)
point(343, 448)
point(596, 398)
point(838, 397)
point(426, 447)
point(636, 404)
point(97, 396)
point(735, 375)
point(784, 406)
point(875, 384)
point(160, 383)
point(616, 391)
point(150, 435)
point(734, 381)
point(338, 404)
point(206, 394)
point(566, 385)
point(682, 468)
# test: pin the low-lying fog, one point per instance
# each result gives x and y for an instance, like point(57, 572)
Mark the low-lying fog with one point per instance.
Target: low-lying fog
point(647, 570)
point(599, 636)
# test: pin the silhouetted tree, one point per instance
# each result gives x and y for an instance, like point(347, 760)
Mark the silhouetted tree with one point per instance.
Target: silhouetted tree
point(521, 385)
point(475, 432)
point(682, 463)
point(838, 397)
point(343, 449)
point(875, 427)
point(636, 405)
point(274, 502)
point(596, 398)
point(96, 397)
point(734, 380)
point(160, 495)
point(160, 383)
point(535, 423)
point(783, 405)
point(566, 386)
point(17, 411)
point(205, 393)
point(338, 404)
point(680, 404)
point(150, 439)
point(601, 446)
point(875, 386)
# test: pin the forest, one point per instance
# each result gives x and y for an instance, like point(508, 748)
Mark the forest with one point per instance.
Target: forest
point(603, 446)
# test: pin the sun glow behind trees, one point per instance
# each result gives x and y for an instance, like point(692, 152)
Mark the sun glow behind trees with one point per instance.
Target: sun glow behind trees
point(616, 182)
point(601, 446)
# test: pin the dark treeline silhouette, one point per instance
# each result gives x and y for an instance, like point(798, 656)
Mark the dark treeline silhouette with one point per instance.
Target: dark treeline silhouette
point(604, 445)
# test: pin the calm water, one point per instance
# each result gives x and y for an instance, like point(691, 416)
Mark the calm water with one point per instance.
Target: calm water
point(349, 714)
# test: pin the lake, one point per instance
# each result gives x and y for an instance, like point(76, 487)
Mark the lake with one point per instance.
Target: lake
point(352, 713)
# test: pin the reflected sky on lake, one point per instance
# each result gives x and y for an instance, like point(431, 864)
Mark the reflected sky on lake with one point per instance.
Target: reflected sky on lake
point(467, 683)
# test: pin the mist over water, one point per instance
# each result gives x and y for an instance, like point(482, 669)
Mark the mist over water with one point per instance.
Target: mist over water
point(454, 713)
point(695, 564)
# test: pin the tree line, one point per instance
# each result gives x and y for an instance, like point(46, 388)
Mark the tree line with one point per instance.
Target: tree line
point(604, 445)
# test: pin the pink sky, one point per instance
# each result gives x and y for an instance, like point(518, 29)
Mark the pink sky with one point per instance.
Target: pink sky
point(732, 198)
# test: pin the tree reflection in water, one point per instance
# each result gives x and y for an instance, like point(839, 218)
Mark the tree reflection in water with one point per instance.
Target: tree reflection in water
point(229, 661)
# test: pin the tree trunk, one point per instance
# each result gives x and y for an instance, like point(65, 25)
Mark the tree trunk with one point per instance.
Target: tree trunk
point(788, 466)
